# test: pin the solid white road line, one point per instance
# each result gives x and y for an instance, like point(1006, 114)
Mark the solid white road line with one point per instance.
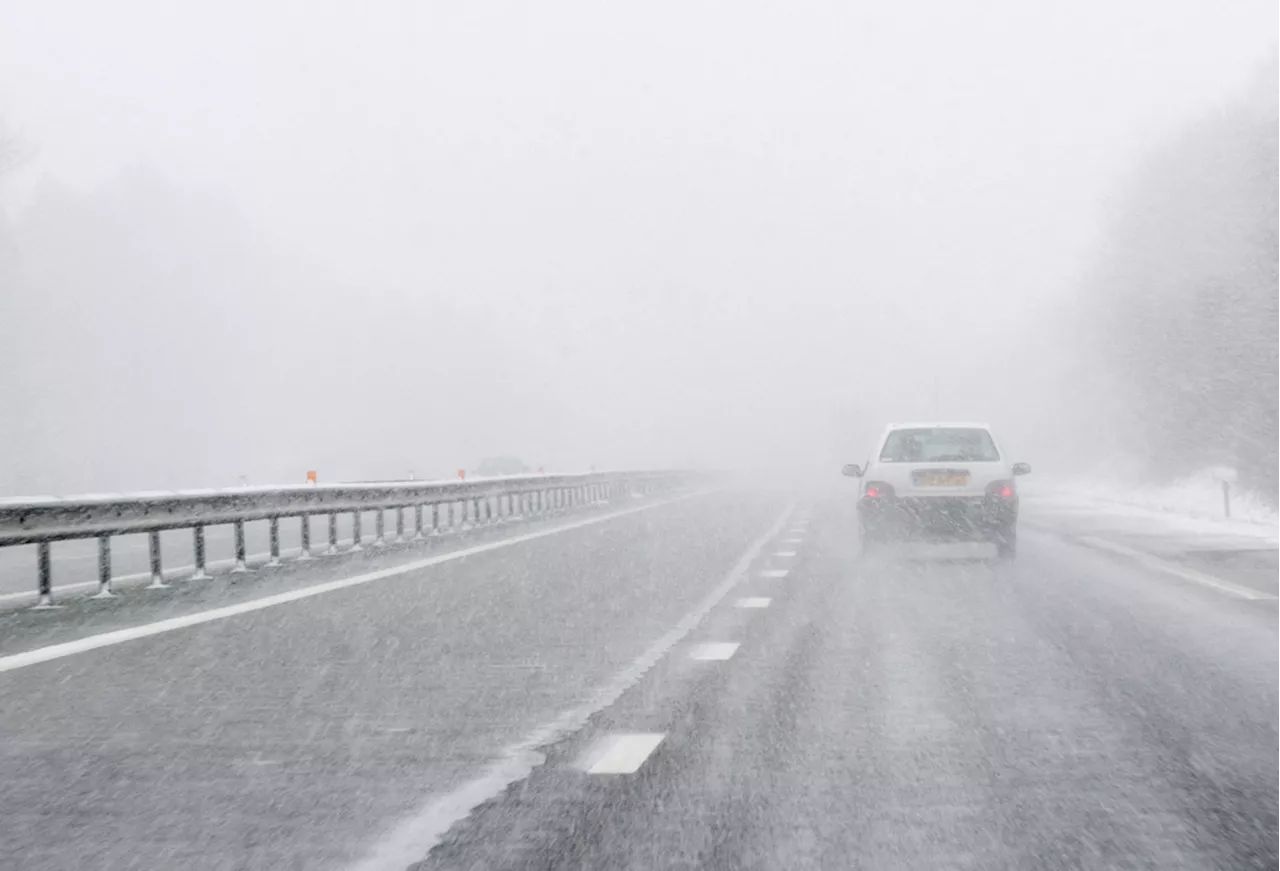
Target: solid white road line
point(715, 651)
point(1169, 568)
point(414, 837)
point(753, 602)
point(774, 573)
point(107, 639)
point(623, 753)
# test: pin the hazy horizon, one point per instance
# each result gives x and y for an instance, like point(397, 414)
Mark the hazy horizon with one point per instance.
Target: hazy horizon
point(255, 240)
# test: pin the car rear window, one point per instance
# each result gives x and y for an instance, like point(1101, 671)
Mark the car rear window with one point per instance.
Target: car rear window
point(939, 445)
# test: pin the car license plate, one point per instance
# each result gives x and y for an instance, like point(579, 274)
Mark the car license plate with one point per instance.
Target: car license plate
point(941, 478)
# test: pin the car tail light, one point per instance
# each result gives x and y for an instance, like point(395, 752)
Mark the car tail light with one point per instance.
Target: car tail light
point(877, 490)
point(1001, 489)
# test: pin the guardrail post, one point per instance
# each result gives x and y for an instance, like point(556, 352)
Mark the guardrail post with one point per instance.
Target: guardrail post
point(417, 522)
point(241, 567)
point(104, 569)
point(44, 568)
point(304, 532)
point(435, 518)
point(333, 536)
point(273, 532)
point(197, 536)
point(380, 528)
point(357, 532)
point(157, 573)
point(399, 523)
point(488, 510)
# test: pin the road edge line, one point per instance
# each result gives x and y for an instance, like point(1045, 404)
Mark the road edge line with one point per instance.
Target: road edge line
point(1155, 563)
point(64, 649)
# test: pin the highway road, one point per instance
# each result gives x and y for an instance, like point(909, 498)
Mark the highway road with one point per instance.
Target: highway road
point(713, 681)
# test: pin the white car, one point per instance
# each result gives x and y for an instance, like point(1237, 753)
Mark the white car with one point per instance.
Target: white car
point(939, 480)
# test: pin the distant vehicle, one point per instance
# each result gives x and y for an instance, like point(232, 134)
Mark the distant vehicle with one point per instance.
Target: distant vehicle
point(497, 467)
point(939, 481)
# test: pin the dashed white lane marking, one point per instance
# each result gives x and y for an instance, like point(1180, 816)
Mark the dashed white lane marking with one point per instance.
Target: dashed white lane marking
point(753, 602)
point(108, 639)
point(785, 553)
point(622, 753)
point(774, 573)
point(1187, 574)
point(415, 836)
point(715, 651)
point(794, 541)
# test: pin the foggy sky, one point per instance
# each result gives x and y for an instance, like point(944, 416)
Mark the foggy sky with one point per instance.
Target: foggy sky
point(586, 233)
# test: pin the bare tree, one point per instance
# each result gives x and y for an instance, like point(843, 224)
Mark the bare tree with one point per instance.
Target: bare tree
point(13, 151)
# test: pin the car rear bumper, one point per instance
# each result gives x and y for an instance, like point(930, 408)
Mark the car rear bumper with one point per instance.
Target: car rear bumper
point(937, 517)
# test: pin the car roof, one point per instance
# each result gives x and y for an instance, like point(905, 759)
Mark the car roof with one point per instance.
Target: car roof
point(937, 425)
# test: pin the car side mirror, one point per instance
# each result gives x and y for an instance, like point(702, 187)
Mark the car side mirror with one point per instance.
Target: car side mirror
point(1022, 468)
point(853, 470)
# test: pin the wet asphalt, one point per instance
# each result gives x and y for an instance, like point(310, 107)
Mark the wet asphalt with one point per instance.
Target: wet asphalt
point(921, 708)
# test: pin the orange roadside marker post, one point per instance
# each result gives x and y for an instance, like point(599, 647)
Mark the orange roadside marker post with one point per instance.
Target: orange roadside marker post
point(311, 477)
point(462, 474)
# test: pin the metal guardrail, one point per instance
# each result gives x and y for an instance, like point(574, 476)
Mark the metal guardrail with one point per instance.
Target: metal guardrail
point(452, 506)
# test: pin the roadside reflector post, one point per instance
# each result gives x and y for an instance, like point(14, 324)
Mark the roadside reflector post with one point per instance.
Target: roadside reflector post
point(44, 567)
point(104, 568)
point(241, 566)
point(311, 478)
point(197, 541)
point(380, 528)
point(304, 532)
point(273, 532)
point(332, 550)
point(1227, 475)
point(357, 532)
point(157, 573)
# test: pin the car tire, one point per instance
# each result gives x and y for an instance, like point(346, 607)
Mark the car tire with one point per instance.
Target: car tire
point(870, 543)
point(1006, 542)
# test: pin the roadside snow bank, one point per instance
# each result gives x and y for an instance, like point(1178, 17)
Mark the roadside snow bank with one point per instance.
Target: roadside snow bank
point(1192, 505)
